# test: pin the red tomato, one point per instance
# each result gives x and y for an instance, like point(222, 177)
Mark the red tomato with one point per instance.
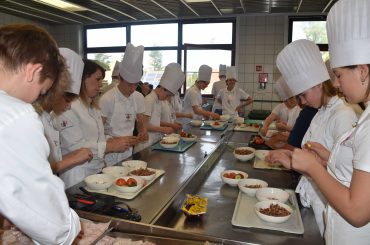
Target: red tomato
point(131, 182)
point(121, 182)
point(183, 134)
point(256, 125)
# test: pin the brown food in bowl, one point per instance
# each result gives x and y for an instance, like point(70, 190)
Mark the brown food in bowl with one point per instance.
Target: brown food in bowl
point(143, 172)
point(275, 210)
point(243, 152)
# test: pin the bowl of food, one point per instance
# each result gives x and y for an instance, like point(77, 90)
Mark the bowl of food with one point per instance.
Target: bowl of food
point(208, 122)
point(244, 153)
point(272, 194)
point(116, 171)
point(273, 211)
point(217, 124)
point(134, 164)
point(128, 184)
point(261, 154)
point(224, 118)
point(188, 137)
point(169, 142)
point(99, 181)
point(195, 122)
point(250, 186)
point(145, 173)
point(232, 177)
point(174, 135)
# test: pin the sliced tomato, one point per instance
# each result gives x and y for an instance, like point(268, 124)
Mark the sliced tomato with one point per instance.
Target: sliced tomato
point(121, 182)
point(131, 182)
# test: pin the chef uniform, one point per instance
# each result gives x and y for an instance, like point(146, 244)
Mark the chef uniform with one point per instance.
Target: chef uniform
point(121, 111)
point(168, 113)
point(302, 67)
point(75, 66)
point(231, 99)
point(115, 80)
point(172, 79)
point(193, 96)
point(177, 102)
point(352, 148)
point(217, 86)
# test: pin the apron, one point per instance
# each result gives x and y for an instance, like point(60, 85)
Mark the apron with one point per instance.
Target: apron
point(122, 123)
point(338, 230)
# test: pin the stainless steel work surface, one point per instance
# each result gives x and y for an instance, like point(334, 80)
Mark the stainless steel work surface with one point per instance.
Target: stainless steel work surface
point(221, 203)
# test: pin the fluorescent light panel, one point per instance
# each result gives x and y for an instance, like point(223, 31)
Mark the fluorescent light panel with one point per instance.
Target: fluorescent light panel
point(64, 5)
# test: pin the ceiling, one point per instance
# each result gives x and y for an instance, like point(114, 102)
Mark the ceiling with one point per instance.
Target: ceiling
point(111, 11)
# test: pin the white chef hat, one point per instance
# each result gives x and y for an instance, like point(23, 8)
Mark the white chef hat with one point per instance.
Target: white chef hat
point(75, 66)
point(348, 29)
point(172, 77)
point(222, 70)
point(131, 67)
point(115, 71)
point(301, 65)
point(282, 89)
point(204, 73)
point(231, 73)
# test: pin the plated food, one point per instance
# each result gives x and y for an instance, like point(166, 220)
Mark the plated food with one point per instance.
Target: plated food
point(195, 123)
point(128, 184)
point(116, 171)
point(217, 124)
point(244, 153)
point(194, 206)
point(224, 118)
point(261, 154)
point(257, 140)
point(232, 177)
point(169, 142)
point(145, 173)
point(99, 181)
point(272, 194)
point(188, 137)
point(134, 164)
point(250, 186)
point(273, 211)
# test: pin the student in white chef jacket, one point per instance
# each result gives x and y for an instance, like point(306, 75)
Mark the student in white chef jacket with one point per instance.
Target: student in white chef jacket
point(32, 198)
point(115, 78)
point(345, 184)
point(123, 105)
point(216, 87)
point(82, 127)
point(53, 105)
point(303, 69)
point(171, 81)
point(171, 111)
point(193, 97)
point(232, 98)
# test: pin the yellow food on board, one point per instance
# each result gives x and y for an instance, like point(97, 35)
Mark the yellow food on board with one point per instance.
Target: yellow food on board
point(195, 205)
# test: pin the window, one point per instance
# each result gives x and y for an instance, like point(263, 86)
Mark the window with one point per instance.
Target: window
point(154, 35)
point(209, 33)
point(106, 37)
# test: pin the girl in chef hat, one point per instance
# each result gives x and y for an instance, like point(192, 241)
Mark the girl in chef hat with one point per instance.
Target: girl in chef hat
point(305, 73)
point(345, 184)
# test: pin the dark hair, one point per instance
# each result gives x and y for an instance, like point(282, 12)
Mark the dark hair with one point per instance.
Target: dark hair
point(90, 68)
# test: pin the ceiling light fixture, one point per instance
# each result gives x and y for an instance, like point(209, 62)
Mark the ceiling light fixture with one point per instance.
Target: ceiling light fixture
point(197, 1)
point(64, 5)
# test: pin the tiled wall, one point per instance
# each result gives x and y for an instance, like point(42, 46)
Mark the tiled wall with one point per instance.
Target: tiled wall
point(259, 40)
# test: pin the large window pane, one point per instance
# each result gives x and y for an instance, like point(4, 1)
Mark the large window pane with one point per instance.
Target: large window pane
point(154, 35)
point(106, 37)
point(154, 63)
point(212, 58)
point(311, 30)
point(211, 33)
point(107, 61)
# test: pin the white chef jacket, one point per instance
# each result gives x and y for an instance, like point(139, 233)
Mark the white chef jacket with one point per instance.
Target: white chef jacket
point(292, 115)
point(350, 151)
point(231, 99)
point(329, 123)
point(153, 110)
point(176, 102)
point(282, 111)
point(217, 86)
point(168, 113)
point(32, 198)
point(82, 127)
point(193, 97)
point(52, 136)
point(121, 113)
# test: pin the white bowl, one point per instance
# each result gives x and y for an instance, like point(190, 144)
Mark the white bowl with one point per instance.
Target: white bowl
point(270, 218)
point(189, 139)
point(224, 118)
point(243, 157)
point(171, 142)
point(174, 135)
point(261, 154)
point(239, 120)
point(249, 186)
point(144, 177)
point(272, 194)
point(99, 181)
point(134, 164)
point(217, 124)
point(208, 122)
point(195, 123)
point(116, 171)
point(231, 181)
point(129, 189)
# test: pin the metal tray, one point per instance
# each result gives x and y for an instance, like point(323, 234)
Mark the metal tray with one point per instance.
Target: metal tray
point(111, 191)
point(245, 216)
point(180, 148)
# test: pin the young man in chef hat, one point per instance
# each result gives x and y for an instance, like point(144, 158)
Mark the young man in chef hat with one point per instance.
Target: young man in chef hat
point(217, 86)
point(193, 97)
point(171, 81)
point(123, 105)
point(232, 98)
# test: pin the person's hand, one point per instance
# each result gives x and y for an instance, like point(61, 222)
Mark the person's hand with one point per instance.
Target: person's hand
point(119, 144)
point(277, 157)
point(281, 125)
point(167, 130)
point(82, 155)
point(214, 116)
point(319, 150)
point(131, 140)
point(177, 126)
point(142, 136)
point(264, 130)
point(302, 161)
